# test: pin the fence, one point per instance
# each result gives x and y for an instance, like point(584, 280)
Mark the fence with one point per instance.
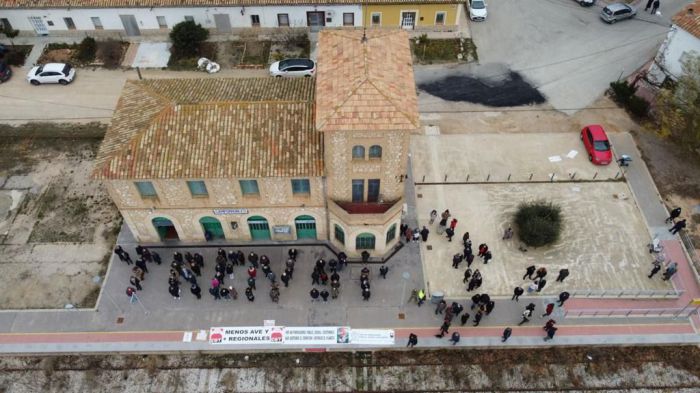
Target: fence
point(684, 312)
point(631, 293)
point(690, 247)
point(519, 178)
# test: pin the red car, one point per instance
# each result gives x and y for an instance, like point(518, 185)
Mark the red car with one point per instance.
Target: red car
point(597, 144)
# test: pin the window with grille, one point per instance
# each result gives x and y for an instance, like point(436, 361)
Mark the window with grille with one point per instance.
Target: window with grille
point(255, 20)
point(339, 234)
point(358, 152)
point(249, 187)
point(301, 186)
point(283, 20)
point(440, 19)
point(162, 23)
point(375, 151)
point(391, 233)
point(364, 241)
point(376, 19)
point(197, 188)
point(189, 18)
point(146, 189)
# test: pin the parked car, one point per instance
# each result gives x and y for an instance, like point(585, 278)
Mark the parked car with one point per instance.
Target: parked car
point(597, 145)
point(293, 67)
point(585, 3)
point(617, 11)
point(51, 73)
point(477, 10)
point(5, 72)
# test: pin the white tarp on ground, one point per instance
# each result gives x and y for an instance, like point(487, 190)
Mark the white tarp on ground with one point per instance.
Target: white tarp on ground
point(152, 55)
point(300, 335)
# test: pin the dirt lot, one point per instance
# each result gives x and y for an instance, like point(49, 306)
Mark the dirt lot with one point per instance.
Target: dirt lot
point(672, 369)
point(677, 175)
point(58, 233)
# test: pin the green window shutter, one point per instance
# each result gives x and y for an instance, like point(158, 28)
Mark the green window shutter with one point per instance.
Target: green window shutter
point(364, 241)
point(146, 189)
point(391, 233)
point(197, 188)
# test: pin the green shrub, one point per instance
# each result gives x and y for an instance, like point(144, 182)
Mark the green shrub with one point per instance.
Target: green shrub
point(16, 55)
point(538, 223)
point(86, 50)
point(186, 37)
point(638, 106)
point(622, 91)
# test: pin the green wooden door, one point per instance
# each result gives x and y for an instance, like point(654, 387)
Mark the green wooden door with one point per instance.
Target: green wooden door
point(165, 228)
point(212, 227)
point(259, 228)
point(306, 227)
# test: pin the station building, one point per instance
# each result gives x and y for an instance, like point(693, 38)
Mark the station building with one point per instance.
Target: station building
point(270, 159)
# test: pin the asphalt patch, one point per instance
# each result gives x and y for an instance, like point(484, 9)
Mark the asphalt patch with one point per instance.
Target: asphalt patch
point(512, 90)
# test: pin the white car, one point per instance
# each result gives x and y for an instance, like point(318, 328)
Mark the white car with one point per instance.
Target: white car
point(293, 67)
point(51, 73)
point(477, 10)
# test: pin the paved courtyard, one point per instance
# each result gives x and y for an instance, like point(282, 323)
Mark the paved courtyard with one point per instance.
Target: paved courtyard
point(495, 156)
point(603, 243)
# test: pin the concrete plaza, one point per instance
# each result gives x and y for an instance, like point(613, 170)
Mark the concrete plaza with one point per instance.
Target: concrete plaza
point(494, 157)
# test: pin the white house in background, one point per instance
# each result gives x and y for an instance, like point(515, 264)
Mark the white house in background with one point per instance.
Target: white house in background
point(682, 41)
point(56, 17)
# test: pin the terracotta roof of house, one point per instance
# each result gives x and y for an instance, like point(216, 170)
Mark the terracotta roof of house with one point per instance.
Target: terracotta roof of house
point(212, 128)
point(688, 18)
point(193, 3)
point(365, 85)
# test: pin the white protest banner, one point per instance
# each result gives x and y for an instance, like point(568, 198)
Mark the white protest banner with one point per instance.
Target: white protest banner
point(245, 335)
point(316, 335)
point(372, 336)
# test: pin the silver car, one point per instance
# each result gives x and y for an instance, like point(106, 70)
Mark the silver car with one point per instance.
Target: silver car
point(617, 11)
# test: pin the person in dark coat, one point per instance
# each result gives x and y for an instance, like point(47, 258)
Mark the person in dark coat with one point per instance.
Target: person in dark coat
point(198, 259)
point(541, 285)
point(675, 213)
point(253, 259)
point(551, 331)
point(564, 296)
point(249, 294)
point(156, 257)
point(489, 307)
point(135, 282)
point(174, 292)
point(677, 226)
point(251, 282)
point(139, 250)
point(424, 233)
point(655, 6)
point(529, 272)
point(649, 3)
point(476, 300)
point(464, 318)
point(315, 277)
point(444, 329)
point(285, 279)
point(467, 275)
point(383, 270)
point(506, 334)
point(120, 253)
point(563, 273)
point(196, 290)
point(314, 294)
point(456, 259)
point(516, 293)
point(655, 269)
point(195, 268)
point(487, 257)
point(455, 338)
point(449, 232)
point(366, 294)
point(177, 257)
point(477, 318)
point(541, 272)
point(141, 264)
point(293, 253)
point(324, 295)
point(146, 255)
point(412, 340)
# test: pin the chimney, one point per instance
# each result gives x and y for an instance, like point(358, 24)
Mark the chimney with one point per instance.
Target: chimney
point(690, 11)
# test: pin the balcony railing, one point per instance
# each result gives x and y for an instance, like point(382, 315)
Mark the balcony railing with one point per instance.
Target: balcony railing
point(365, 207)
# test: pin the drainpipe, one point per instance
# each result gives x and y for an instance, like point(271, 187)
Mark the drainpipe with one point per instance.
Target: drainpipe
point(325, 204)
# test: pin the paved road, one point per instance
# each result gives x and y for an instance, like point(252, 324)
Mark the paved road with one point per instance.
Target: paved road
point(564, 50)
point(91, 97)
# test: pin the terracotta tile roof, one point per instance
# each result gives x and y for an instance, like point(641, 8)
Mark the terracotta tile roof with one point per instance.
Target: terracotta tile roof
point(212, 128)
point(193, 3)
point(365, 86)
point(688, 18)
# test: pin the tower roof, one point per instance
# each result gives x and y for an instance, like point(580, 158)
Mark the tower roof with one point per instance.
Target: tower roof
point(365, 84)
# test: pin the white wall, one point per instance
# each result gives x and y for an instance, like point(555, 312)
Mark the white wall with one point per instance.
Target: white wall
point(205, 16)
point(679, 42)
